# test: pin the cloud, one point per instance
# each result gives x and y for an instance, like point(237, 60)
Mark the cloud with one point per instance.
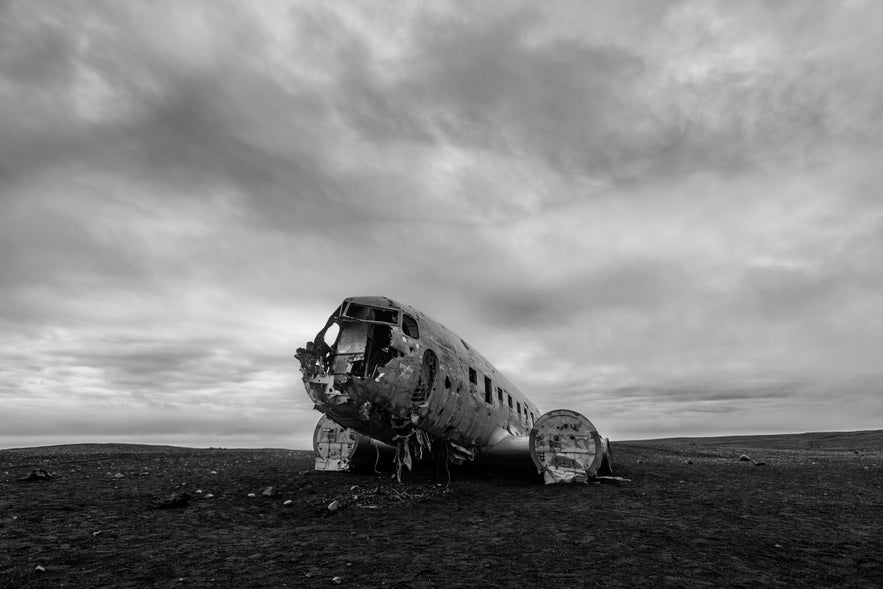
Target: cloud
point(665, 208)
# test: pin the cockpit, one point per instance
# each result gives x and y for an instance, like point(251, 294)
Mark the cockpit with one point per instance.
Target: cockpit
point(363, 337)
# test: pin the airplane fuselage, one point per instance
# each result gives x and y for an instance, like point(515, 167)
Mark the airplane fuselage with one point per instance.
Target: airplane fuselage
point(394, 374)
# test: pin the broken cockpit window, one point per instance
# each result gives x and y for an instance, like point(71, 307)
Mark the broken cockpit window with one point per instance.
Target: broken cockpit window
point(409, 326)
point(374, 314)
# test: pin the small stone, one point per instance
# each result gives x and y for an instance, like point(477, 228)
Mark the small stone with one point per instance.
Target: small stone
point(214, 472)
point(269, 492)
point(744, 458)
point(119, 475)
point(334, 505)
point(252, 495)
point(38, 475)
point(173, 501)
point(209, 495)
point(198, 491)
point(336, 580)
point(40, 568)
point(288, 502)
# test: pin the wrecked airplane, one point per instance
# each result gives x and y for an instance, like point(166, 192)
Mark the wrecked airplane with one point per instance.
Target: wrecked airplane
point(392, 381)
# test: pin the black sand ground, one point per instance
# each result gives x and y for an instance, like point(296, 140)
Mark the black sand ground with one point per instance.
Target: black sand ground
point(692, 515)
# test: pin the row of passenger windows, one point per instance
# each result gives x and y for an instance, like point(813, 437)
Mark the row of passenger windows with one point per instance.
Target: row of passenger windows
point(489, 395)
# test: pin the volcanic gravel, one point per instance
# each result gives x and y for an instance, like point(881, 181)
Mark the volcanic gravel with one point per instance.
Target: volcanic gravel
point(802, 511)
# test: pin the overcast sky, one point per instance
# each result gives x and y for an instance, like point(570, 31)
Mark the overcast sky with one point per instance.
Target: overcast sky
point(665, 215)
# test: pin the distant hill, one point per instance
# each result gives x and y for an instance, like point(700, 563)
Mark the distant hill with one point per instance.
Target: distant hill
point(860, 440)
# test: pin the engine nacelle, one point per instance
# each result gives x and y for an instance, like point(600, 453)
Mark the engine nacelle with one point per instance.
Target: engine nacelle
point(566, 447)
point(340, 448)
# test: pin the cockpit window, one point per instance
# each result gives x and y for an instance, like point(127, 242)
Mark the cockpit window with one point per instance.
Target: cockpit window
point(409, 326)
point(365, 313)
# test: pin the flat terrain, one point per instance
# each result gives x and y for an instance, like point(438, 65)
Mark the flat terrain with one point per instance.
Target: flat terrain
point(692, 515)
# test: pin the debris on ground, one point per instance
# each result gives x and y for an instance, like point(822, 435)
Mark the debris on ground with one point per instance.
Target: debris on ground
point(744, 458)
point(38, 475)
point(380, 495)
point(173, 501)
point(269, 492)
point(608, 479)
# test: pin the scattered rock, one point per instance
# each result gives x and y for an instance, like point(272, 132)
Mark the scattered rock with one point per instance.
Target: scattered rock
point(288, 502)
point(761, 463)
point(744, 458)
point(269, 492)
point(336, 580)
point(251, 495)
point(209, 495)
point(214, 472)
point(38, 475)
point(119, 475)
point(40, 568)
point(334, 505)
point(175, 500)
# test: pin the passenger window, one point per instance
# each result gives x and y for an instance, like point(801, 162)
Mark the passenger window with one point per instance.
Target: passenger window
point(473, 377)
point(508, 396)
point(519, 408)
point(488, 391)
point(409, 326)
point(500, 394)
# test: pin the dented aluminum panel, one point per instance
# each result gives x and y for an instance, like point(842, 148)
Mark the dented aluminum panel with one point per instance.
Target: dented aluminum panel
point(397, 376)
